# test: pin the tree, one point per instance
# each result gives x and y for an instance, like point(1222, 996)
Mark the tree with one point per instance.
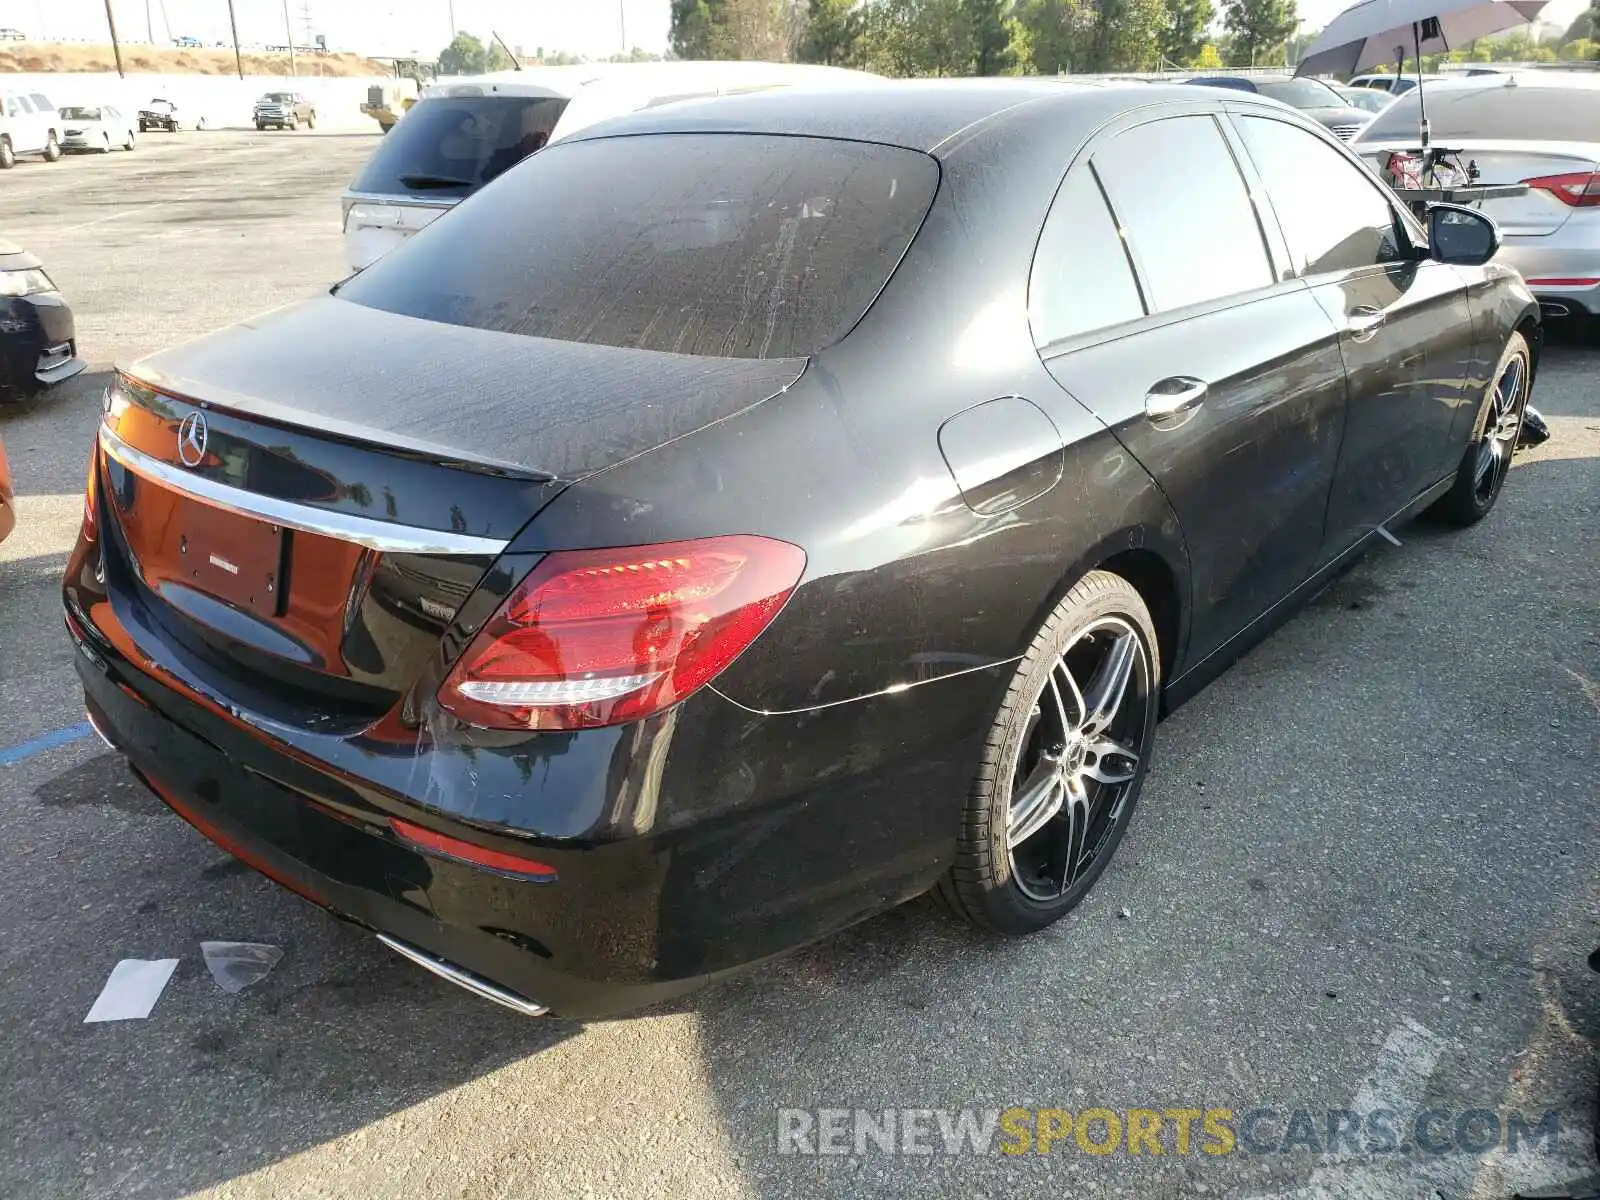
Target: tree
point(1259, 27)
point(1207, 58)
point(833, 29)
point(1183, 31)
point(1093, 35)
point(991, 36)
point(694, 28)
point(466, 55)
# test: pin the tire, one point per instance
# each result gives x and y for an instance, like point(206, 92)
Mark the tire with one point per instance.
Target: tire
point(130, 143)
point(1004, 878)
point(291, 125)
point(1494, 439)
point(8, 157)
point(52, 148)
point(200, 125)
point(106, 147)
point(143, 128)
point(260, 128)
point(311, 121)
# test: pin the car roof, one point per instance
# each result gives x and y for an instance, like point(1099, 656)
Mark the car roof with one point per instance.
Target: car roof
point(570, 81)
point(917, 114)
point(1534, 78)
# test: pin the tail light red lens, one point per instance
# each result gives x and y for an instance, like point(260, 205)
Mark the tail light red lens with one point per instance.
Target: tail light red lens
point(602, 637)
point(1578, 190)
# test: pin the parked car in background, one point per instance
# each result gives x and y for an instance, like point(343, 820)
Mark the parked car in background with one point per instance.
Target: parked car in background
point(464, 132)
point(29, 125)
point(1541, 128)
point(1393, 84)
point(1368, 100)
point(1311, 96)
point(96, 127)
point(10, 34)
point(187, 42)
point(38, 344)
point(634, 575)
point(8, 512)
point(284, 110)
point(163, 114)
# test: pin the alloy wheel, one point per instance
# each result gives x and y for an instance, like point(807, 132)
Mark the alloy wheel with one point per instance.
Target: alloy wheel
point(1078, 758)
point(1500, 430)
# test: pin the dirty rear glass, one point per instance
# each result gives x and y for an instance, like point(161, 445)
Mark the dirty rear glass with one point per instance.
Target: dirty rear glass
point(1495, 113)
point(729, 245)
point(449, 146)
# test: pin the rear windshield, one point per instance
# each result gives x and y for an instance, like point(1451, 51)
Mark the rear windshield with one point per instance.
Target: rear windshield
point(453, 145)
point(1498, 113)
point(1301, 93)
point(80, 114)
point(730, 245)
point(278, 96)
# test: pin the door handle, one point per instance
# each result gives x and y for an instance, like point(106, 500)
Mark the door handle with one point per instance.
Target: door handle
point(1365, 321)
point(1174, 395)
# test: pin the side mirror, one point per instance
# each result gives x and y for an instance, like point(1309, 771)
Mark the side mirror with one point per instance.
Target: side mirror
point(1464, 237)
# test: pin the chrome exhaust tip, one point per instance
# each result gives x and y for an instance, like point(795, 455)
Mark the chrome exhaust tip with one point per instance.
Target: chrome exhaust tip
point(98, 732)
point(1554, 308)
point(475, 984)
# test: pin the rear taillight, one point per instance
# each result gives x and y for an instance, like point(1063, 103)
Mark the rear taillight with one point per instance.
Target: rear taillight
point(600, 637)
point(1581, 189)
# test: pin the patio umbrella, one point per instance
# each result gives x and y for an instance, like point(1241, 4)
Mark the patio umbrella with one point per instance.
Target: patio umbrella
point(1375, 31)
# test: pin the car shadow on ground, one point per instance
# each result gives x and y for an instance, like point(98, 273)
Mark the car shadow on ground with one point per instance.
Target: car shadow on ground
point(1275, 876)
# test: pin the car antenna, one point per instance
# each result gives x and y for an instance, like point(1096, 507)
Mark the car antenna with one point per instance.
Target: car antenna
point(516, 64)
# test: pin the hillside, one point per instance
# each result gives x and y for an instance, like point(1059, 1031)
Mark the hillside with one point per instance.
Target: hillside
point(46, 57)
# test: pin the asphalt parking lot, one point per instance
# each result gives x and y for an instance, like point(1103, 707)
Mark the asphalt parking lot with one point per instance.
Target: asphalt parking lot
point(1362, 874)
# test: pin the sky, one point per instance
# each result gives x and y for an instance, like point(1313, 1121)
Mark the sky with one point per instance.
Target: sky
point(593, 28)
point(384, 27)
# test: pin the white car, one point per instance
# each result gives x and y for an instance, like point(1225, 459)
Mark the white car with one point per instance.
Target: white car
point(464, 132)
point(95, 127)
point(28, 125)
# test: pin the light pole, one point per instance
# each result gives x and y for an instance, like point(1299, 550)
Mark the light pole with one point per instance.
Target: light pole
point(289, 29)
point(238, 60)
point(622, 22)
point(115, 47)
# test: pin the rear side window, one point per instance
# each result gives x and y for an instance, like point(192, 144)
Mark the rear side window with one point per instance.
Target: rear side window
point(1082, 280)
point(1183, 206)
point(1499, 113)
point(452, 145)
point(729, 245)
point(41, 104)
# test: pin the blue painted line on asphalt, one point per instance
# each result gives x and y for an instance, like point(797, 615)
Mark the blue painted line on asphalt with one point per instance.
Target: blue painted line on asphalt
point(45, 741)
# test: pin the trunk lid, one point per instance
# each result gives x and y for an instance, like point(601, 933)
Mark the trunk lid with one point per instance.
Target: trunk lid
point(299, 505)
point(1535, 214)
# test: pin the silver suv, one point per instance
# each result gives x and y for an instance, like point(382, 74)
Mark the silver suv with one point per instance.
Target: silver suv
point(284, 110)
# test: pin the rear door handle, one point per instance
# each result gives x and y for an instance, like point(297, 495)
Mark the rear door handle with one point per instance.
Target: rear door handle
point(1365, 321)
point(1174, 395)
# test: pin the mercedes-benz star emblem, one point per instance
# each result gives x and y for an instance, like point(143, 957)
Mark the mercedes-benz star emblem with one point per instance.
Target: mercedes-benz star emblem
point(192, 436)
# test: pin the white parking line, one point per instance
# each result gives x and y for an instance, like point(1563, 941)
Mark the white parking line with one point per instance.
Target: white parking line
point(140, 208)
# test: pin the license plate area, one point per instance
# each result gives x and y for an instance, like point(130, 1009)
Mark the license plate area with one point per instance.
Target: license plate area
point(235, 559)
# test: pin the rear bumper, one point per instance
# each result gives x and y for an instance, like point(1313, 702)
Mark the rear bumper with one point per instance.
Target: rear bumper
point(1559, 275)
point(330, 851)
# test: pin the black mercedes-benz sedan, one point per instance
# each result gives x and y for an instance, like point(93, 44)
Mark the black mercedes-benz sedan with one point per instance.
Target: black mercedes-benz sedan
point(752, 513)
point(38, 341)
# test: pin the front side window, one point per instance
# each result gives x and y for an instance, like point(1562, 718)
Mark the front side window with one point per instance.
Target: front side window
point(1082, 280)
point(1333, 213)
point(726, 245)
point(41, 104)
point(1185, 210)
